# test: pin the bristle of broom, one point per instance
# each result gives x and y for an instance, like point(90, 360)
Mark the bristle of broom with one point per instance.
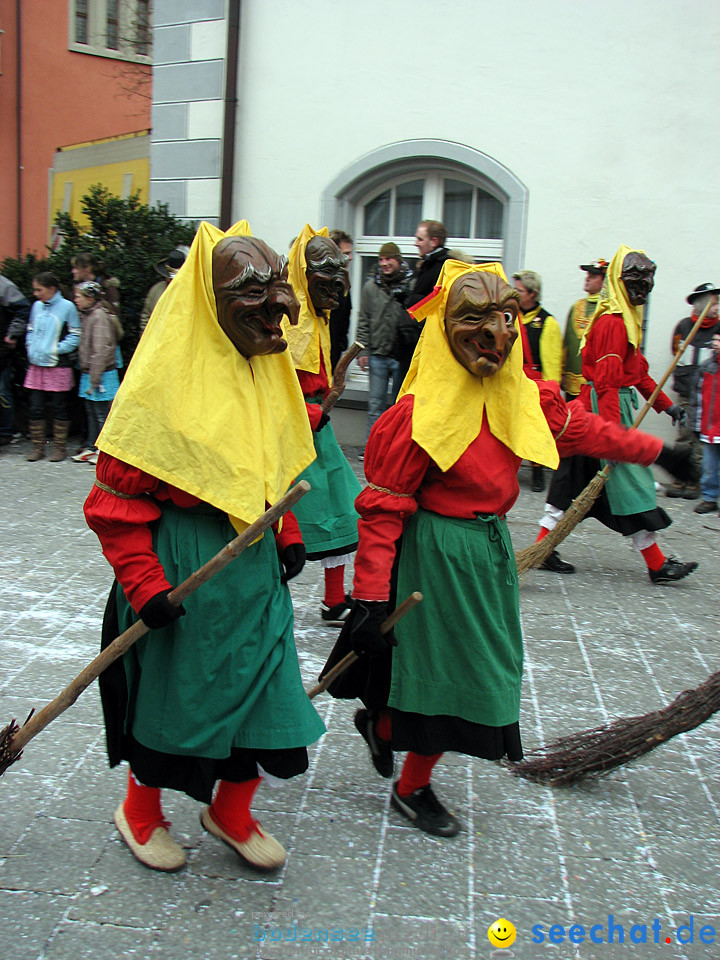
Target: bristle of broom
point(594, 753)
point(8, 756)
point(537, 553)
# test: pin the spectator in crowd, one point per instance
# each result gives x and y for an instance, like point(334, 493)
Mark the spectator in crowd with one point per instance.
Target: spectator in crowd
point(51, 340)
point(430, 238)
point(382, 306)
point(14, 313)
point(705, 416)
point(544, 338)
point(340, 316)
point(99, 377)
point(167, 268)
point(687, 370)
point(86, 266)
point(577, 321)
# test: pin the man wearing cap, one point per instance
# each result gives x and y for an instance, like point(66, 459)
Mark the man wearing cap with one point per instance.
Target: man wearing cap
point(577, 321)
point(544, 339)
point(167, 268)
point(687, 370)
point(382, 306)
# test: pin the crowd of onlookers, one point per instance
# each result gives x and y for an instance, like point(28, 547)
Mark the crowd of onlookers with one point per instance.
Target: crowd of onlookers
point(60, 348)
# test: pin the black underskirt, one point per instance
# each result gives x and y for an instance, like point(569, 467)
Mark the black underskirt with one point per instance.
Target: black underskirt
point(195, 776)
point(570, 479)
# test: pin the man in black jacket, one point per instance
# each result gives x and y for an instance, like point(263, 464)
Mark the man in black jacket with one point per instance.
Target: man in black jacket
point(686, 372)
point(430, 238)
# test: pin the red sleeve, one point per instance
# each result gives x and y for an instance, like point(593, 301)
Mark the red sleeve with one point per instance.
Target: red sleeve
point(314, 412)
point(645, 386)
point(609, 346)
point(394, 466)
point(314, 384)
point(578, 431)
point(290, 532)
point(122, 524)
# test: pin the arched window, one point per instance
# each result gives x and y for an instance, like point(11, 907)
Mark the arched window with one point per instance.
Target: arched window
point(385, 194)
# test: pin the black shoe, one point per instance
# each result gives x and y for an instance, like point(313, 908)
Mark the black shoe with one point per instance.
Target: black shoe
point(556, 563)
point(707, 506)
point(691, 491)
point(676, 490)
point(380, 751)
point(337, 615)
point(425, 811)
point(538, 480)
point(672, 570)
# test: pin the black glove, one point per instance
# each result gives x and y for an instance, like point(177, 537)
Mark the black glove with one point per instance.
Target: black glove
point(158, 612)
point(325, 418)
point(366, 618)
point(293, 559)
point(678, 461)
point(679, 416)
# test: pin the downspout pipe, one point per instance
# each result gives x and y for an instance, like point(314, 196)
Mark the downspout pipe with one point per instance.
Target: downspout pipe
point(18, 129)
point(230, 114)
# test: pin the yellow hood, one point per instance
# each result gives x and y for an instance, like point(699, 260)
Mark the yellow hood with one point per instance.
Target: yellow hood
point(195, 413)
point(312, 333)
point(614, 299)
point(449, 401)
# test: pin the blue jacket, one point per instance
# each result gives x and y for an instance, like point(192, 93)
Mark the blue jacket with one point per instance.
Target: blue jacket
point(53, 332)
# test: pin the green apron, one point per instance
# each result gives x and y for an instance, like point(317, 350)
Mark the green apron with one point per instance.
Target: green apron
point(226, 674)
point(326, 514)
point(460, 651)
point(630, 487)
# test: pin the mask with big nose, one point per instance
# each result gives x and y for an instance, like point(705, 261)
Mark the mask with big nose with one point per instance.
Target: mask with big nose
point(252, 295)
point(480, 318)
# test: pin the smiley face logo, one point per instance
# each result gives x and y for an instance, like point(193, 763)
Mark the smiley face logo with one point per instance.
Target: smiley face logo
point(501, 933)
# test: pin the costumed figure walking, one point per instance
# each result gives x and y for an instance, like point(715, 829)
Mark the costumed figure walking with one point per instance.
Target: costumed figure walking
point(208, 427)
point(614, 369)
point(442, 468)
point(327, 517)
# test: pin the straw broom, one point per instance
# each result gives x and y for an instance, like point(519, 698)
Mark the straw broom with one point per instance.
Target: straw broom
point(536, 554)
point(595, 753)
point(14, 738)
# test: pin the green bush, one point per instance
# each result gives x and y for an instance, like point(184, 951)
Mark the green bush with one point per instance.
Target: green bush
point(126, 236)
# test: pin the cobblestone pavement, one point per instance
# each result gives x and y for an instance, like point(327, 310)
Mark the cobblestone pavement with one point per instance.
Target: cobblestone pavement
point(641, 846)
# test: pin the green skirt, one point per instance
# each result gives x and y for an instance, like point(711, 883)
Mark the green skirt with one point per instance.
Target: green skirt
point(630, 488)
point(326, 514)
point(460, 651)
point(226, 675)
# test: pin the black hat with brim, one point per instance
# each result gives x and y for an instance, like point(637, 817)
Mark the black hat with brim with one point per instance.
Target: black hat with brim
point(701, 291)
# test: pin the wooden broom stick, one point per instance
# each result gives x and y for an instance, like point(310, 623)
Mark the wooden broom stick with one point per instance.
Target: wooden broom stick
point(351, 657)
point(339, 373)
point(537, 553)
point(14, 738)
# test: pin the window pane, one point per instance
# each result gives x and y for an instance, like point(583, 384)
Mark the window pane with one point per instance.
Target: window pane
point(81, 21)
point(377, 216)
point(408, 207)
point(112, 24)
point(143, 28)
point(457, 207)
point(489, 217)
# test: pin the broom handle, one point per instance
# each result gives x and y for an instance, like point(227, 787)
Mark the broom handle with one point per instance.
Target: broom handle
point(339, 372)
point(351, 657)
point(122, 644)
point(680, 351)
point(605, 472)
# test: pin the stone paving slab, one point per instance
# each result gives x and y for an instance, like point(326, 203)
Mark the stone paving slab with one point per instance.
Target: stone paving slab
point(360, 882)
